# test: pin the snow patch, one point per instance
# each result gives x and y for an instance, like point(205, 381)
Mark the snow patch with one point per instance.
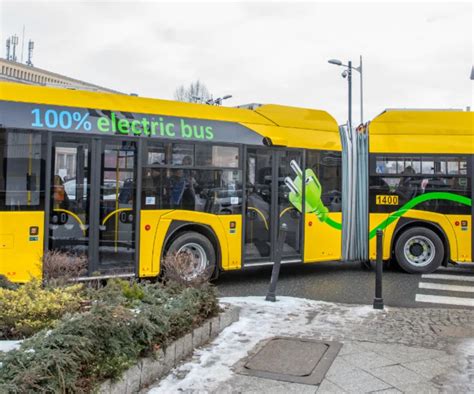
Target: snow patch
point(6, 346)
point(259, 320)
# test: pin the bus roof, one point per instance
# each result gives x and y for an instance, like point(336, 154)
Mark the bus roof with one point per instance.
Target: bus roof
point(422, 131)
point(287, 126)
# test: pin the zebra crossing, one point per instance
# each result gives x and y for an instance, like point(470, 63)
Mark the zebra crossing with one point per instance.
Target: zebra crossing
point(448, 286)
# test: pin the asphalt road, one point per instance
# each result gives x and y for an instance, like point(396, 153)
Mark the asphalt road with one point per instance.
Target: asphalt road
point(451, 287)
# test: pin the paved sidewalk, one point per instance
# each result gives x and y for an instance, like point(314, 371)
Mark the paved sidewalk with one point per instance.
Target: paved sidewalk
point(395, 350)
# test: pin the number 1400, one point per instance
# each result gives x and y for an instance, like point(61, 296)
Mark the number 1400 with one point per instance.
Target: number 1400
point(386, 200)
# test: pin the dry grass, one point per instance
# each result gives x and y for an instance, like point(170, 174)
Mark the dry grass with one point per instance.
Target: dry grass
point(62, 267)
point(179, 267)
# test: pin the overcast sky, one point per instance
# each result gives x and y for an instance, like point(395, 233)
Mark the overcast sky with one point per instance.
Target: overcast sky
point(416, 55)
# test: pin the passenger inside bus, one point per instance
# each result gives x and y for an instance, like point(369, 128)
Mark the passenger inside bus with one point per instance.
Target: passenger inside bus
point(60, 197)
point(183, 194)
point(408, 186)
point(126, 192)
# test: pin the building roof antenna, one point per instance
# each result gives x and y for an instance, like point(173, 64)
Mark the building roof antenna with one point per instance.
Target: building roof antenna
point(31, 46)
point(8, 48)
point(14, 43)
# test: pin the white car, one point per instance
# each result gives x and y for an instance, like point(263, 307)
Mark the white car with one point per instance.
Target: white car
point(108, 189)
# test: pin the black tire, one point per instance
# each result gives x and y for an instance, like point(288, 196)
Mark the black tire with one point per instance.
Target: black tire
point(419, 250)
point(197, 244)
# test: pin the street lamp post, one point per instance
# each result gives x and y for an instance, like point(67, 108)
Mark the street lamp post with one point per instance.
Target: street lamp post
point(349, 82)
point(361, 92)
point(347, 73)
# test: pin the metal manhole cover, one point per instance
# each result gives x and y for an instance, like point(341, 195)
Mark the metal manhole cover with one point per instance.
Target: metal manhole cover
point(292, 360)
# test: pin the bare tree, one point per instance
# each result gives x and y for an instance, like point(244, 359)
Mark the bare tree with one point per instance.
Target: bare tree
point(196, 92)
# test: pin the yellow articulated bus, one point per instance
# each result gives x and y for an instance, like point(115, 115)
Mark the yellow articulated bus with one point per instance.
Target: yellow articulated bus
point(125, 180)
point(420, 187)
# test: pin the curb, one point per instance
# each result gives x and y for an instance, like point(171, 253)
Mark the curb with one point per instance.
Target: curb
point(149, 369)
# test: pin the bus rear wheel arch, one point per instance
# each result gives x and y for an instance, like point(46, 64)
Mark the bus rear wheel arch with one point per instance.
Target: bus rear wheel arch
point(419, 250)
point(198, 252)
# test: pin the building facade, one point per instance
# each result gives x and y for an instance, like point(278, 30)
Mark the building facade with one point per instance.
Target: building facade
point(22, 73)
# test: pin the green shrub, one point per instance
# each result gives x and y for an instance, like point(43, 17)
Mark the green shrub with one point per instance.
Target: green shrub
point(126, 321)
point(132, 291)
point(31, 308)
point(5, 283)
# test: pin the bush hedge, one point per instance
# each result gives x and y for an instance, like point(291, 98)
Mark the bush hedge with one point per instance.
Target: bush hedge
point(30, 308)
point(126, 321)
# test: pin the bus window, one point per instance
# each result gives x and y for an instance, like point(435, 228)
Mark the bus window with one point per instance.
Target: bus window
point(182, 155)
point(155, 155)
point(327, 167)
point(22, 175)
point(427, 166)
point(212, 191)
point(197, 184)
point(217, 156)
point(421, 175)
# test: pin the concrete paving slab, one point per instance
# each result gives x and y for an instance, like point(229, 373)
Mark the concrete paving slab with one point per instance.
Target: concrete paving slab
point(400, 353)
point(427, 368)
point(340, 367)
point(397, 376)
point(352, 347)
point(367, 360)
point(254, 385)
point(422, 388)
point(448, 361)
point(359, 382)
point(327, 386)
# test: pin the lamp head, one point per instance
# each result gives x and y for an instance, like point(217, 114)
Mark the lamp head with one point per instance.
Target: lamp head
point(335, 61)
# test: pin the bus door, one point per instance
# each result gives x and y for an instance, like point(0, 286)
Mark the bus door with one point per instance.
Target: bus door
point(267, 205)
point(70, 196)
point(117, 190)
point(288, 210)
point(92, 209)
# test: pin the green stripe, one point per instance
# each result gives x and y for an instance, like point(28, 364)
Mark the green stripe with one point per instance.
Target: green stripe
point(409, 205)
point(418, 200)
point(332, 223)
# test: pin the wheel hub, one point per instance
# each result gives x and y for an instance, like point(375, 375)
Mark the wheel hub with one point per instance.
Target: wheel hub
point(419, 251)
point(196, 262)
point(416, 250)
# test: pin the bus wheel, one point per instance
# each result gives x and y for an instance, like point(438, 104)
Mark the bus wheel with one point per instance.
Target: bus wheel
point(419, 250)
point(191, 256)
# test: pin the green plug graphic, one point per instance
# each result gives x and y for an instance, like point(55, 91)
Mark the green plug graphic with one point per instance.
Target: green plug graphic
point(313, 191)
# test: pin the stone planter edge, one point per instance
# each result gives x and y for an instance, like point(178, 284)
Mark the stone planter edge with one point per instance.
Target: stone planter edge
point(149, 369)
